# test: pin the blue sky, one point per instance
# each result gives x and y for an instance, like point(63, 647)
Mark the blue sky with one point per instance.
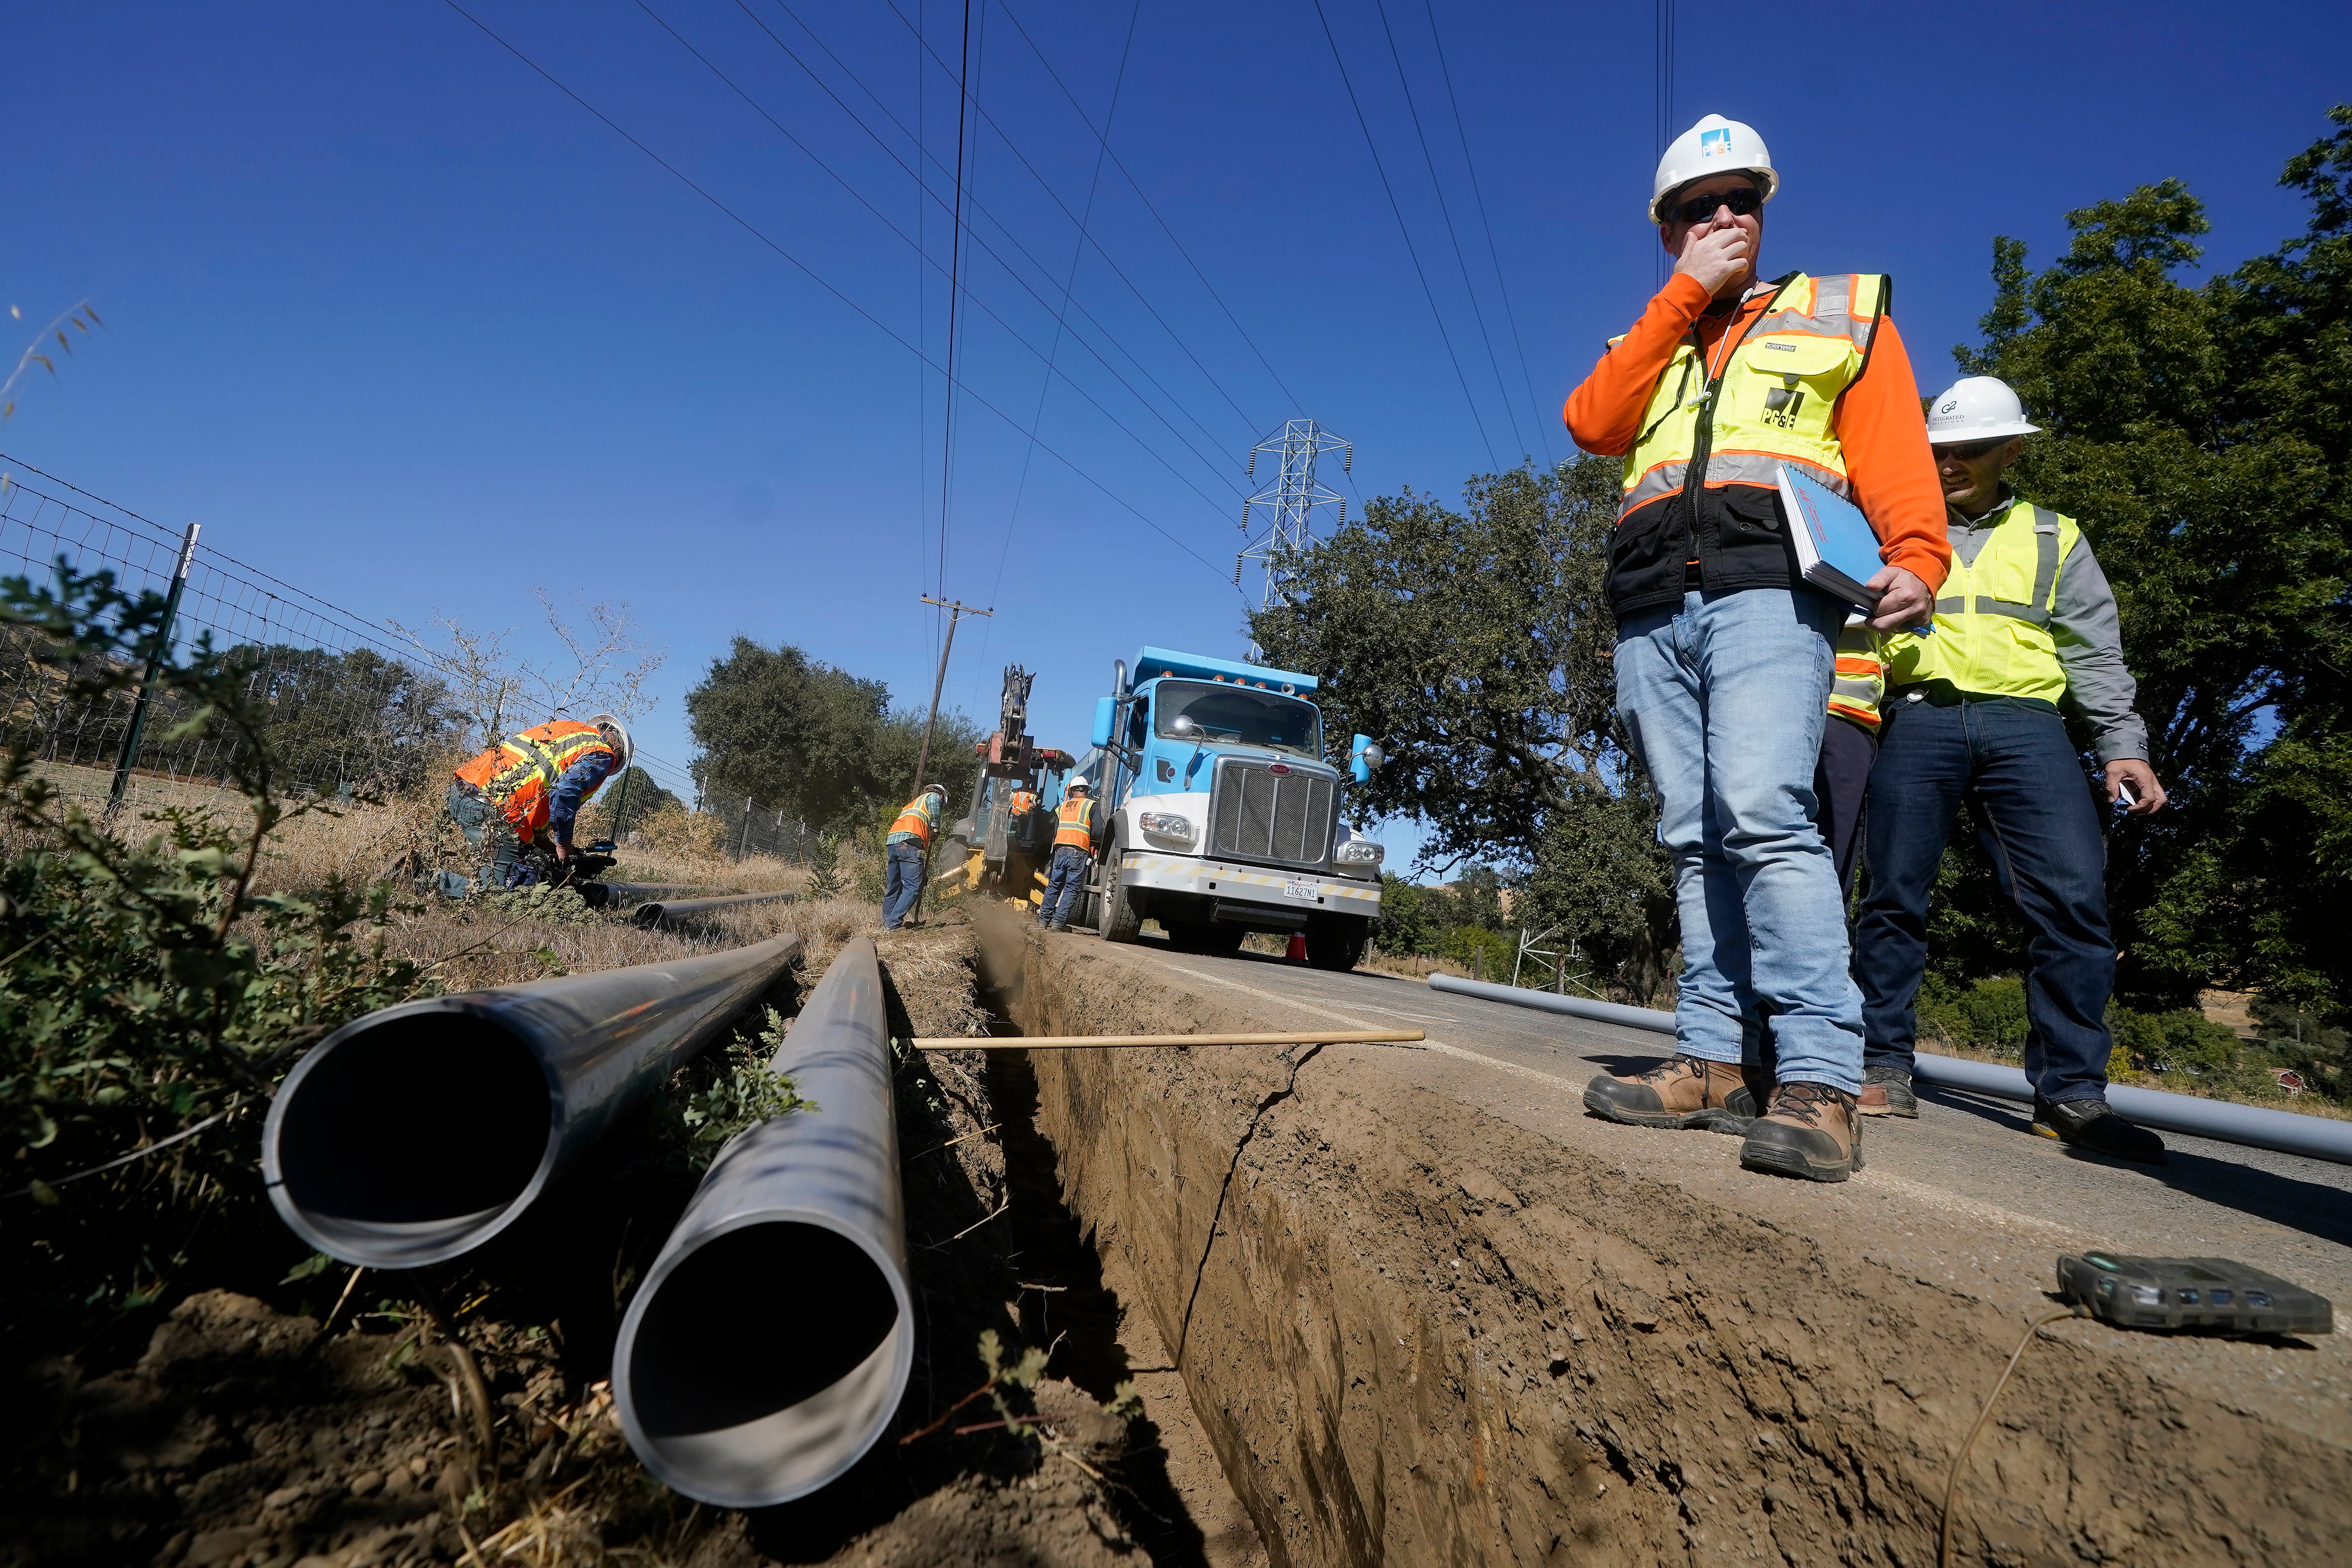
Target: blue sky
point(399, 321)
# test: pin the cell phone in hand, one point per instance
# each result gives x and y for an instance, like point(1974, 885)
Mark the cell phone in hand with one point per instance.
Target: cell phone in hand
point(2125, 796)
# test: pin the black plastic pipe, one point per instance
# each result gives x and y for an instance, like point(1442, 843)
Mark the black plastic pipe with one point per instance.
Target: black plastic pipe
point(797, 1236)
point(418, 1133)
point(678, 911)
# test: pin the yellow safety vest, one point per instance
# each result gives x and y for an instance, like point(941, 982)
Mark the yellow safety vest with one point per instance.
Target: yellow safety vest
point(1779, 393)
point(1992, 631)
point(1077, 825)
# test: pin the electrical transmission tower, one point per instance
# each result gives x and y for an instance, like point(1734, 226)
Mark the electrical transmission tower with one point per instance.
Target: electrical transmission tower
point(1292, 498)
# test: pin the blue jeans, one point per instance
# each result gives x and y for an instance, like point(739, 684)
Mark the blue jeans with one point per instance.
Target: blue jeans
point(902, 882)
point(2024, 783)
point(1725, 700)
point(1063, 883)
point(486, 826)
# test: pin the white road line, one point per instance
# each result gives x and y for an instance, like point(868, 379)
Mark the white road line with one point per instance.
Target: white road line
point(1551, 1079)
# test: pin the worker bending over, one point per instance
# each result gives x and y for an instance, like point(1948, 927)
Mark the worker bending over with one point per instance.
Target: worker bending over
point(908, 851)
point(1074, 853)
point(1726, 661)
point(523, 793)
point(2026, 620)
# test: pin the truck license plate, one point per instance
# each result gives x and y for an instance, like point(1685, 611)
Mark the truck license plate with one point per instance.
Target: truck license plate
point(1294, 889)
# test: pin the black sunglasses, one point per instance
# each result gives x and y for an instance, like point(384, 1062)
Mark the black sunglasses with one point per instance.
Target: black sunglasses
point(1969, 451)
point(1699, 209)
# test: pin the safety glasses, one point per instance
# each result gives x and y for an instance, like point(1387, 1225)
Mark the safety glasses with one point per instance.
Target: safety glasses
point(1699, 209)
point(1968, 451)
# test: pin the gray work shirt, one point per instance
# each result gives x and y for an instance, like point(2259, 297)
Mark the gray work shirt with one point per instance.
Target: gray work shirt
point(2083, 625)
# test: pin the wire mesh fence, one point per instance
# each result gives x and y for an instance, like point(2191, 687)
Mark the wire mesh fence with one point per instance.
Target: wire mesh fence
point(346, 709)
point(351, 709)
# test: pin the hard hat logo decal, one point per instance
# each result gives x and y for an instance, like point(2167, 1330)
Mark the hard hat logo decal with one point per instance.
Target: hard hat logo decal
point(1714, 143)
point(1949, 404)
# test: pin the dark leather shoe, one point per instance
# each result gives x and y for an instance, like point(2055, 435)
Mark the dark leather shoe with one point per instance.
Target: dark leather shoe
point(1887, 1091)
point(1810, 1130)
point(1681, 1091)
point(2093, 1125)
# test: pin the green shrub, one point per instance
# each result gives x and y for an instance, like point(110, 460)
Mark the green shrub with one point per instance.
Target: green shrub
point(1988, 1015)
point(149, 998)
point(2183, 1041)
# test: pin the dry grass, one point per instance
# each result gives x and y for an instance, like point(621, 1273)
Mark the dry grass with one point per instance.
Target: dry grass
point(362, 843)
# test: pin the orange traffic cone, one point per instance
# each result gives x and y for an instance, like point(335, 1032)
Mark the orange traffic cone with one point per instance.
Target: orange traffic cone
point(1297, 953)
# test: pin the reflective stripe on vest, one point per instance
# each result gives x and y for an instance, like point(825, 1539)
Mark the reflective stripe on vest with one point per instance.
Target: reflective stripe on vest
point(1774, 400)
point(1861, 680)
point(519, 774)
point(1077, 825)
point(1992, 632)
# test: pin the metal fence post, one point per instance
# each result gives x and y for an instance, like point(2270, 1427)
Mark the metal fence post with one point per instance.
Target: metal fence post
point(154, 665)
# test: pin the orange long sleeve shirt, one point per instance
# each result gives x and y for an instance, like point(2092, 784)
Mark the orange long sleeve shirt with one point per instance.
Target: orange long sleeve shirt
point(1877, 421)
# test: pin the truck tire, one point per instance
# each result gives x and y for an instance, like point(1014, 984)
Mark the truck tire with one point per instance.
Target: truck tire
point(1337, 942)
point(1122, 913)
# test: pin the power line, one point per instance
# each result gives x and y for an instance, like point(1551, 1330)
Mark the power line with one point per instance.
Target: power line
point(1427, 293)
point(868, 203)
point(981, 207)
point(955, 294)
point(1137, 186)
point(1546, 417)
point(814, 277)
point(1045, 384)
point(1476, 311)
point(993, 255)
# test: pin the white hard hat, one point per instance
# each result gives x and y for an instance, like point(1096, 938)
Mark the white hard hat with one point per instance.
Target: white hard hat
point(1976, 408)
point(1077, 785)
point(612, 721)
point(1714, 146)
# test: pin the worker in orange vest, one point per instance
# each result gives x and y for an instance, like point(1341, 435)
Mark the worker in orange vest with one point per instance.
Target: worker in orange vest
point(909, 851)
point(526, 791)
point(1074, 852)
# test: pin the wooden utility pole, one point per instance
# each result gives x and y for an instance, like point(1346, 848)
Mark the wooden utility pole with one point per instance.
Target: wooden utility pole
point(957, 611)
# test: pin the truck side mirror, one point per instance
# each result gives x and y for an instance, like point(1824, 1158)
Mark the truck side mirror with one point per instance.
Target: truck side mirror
point(1106, 720)
point(1182, 725)
point(1364, 755)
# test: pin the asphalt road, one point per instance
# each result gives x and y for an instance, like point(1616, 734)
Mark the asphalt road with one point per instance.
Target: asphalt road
point(1968, 1157)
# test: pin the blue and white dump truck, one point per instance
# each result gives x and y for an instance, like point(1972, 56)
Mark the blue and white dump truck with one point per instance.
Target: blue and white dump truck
point(1224, 818)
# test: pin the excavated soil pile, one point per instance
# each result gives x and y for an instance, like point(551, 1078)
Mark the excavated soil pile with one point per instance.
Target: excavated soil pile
point(1420, 1333)
point(462, 1413)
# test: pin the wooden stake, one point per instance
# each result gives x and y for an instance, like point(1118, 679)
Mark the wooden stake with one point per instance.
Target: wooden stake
point(1143, 1042)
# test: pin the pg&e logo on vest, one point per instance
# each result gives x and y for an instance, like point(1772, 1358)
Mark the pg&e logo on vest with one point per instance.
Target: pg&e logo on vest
point(1714, 143)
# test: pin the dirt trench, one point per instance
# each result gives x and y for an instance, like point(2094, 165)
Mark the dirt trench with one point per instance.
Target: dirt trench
point(1418, 1333)
point(238, 1432)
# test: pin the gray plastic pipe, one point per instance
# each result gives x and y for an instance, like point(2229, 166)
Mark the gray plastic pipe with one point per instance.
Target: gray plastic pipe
point(771, 1342)
point(418, 1133)
point(677, 911)
point(639, 892)
point(2257, 1126)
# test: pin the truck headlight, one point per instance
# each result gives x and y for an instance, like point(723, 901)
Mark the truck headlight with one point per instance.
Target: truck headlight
point(1361, 852)
point(1166, 825)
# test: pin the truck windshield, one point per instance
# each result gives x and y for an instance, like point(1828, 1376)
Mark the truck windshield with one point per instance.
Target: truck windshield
point(1238, 716)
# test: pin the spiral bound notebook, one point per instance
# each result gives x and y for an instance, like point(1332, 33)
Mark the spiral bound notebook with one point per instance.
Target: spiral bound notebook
point(1836, 551)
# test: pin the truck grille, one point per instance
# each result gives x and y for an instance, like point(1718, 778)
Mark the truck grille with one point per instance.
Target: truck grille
point(1257, 814)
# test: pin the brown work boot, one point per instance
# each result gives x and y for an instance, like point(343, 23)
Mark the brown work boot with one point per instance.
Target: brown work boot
point(1810, 1130)
point(1681, 1091)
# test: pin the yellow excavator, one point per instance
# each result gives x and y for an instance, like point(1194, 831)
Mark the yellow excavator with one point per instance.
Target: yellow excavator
point(1002, 848)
